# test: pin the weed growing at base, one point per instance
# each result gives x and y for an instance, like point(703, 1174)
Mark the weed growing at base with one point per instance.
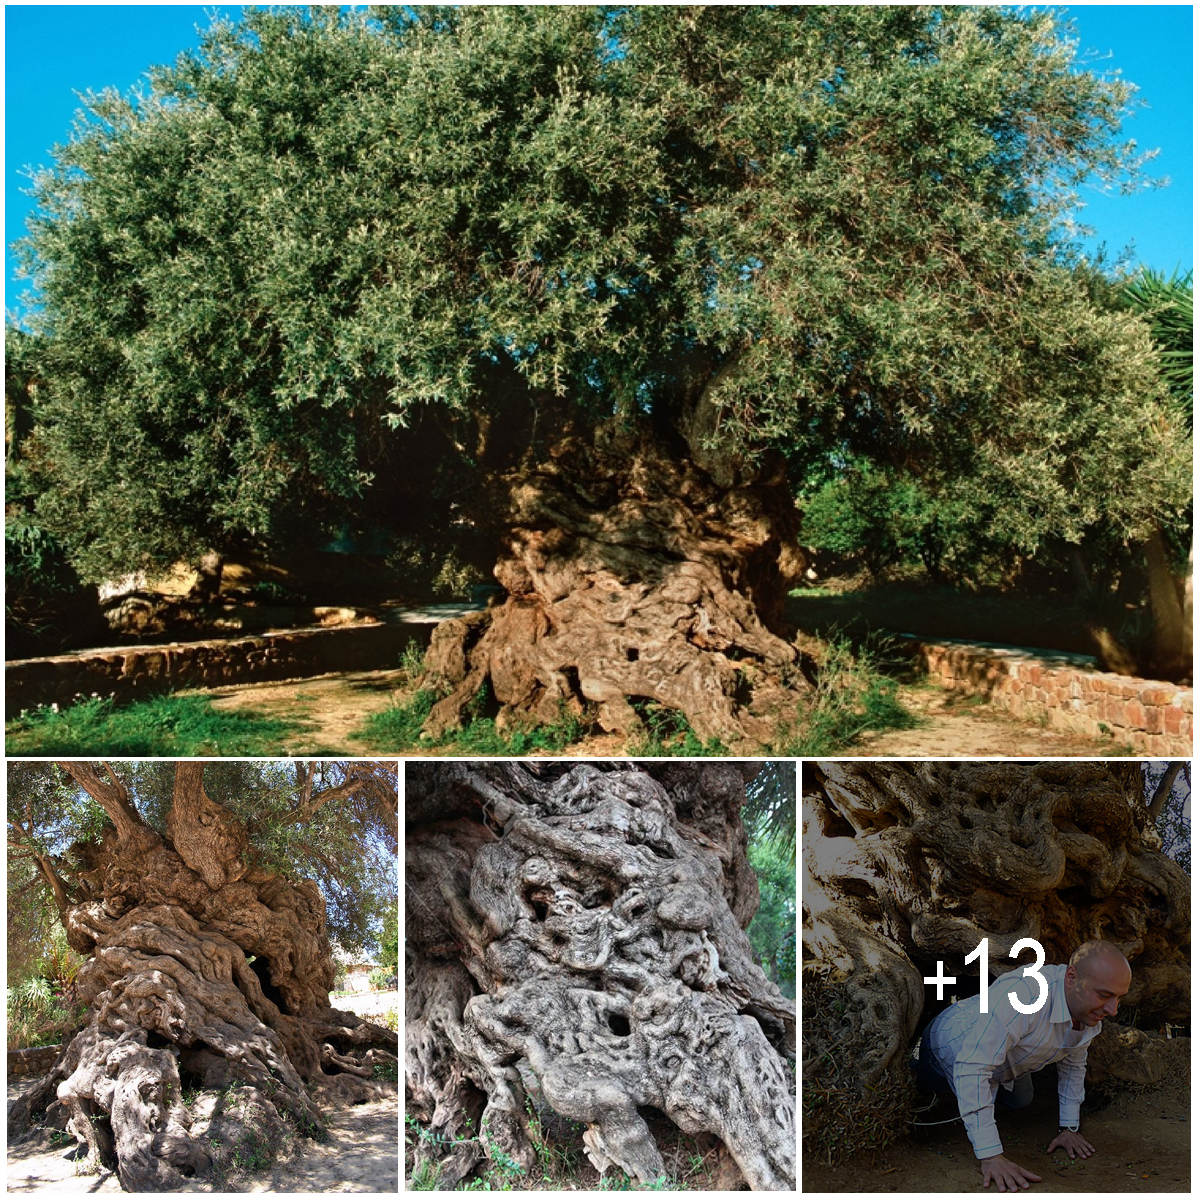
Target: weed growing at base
point(852, 695)
point(172, 725)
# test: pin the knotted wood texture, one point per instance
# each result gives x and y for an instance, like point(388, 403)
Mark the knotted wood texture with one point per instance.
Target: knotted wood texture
point(578, 930)
point(912, 864)
point(170, 926)
point(632, 574)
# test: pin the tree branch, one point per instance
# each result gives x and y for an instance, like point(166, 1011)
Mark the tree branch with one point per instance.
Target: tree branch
point(45, 865)
point(113, 797)
point(360, 777)
point(1159, 800)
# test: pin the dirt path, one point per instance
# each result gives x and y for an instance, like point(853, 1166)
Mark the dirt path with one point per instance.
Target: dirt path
point(362, 1155)
point(333, 707)
point(330, 707)
point(1142, 1141)
point(953, 726)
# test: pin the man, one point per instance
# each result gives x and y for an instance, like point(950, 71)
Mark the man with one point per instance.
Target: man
point(989, 1058)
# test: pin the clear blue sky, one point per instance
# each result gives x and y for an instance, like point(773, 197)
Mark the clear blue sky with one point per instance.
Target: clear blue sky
point(53, 51)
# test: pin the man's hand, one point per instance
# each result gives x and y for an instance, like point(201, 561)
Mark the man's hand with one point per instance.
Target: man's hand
point(1073, 1144)
point(1006, 1175)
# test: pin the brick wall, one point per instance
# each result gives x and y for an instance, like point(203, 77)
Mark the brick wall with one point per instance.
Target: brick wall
point(1068, 691)
point(132, 672)
point(32, 1062)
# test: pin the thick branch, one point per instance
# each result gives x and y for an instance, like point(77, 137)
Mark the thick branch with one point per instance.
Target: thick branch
point(1159, 800)
point(361, 778)
point(209, 838)
point(113, 797)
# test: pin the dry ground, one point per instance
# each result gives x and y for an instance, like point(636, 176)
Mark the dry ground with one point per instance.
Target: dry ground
point(1142, 1139)
point(362, 1155)
point(334, 706)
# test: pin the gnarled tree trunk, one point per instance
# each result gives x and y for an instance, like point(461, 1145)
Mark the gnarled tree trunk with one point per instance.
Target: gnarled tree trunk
point(577, 930)
point(908, 865)
point(635, 573)
point(203, 971)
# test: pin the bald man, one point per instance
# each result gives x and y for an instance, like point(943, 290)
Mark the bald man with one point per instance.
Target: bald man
point(989, 1058)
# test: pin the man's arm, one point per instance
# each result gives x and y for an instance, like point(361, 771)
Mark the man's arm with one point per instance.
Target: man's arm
point(1071, 1072)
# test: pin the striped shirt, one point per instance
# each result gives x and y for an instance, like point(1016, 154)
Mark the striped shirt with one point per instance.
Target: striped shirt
point(982, 1052)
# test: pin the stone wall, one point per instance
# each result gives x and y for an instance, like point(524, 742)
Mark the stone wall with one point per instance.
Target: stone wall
point(133, 672)
point(32, 1062)
point(1068, 691)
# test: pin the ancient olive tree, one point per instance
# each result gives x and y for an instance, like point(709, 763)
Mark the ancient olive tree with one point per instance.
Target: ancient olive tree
point(209, 962)
point(574, 939)
point(580, 293)
point(910, 864)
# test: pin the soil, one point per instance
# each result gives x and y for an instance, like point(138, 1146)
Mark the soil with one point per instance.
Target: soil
point(1142, 1138)
point(332, 707)
point(361, 1155)
point(955, 726)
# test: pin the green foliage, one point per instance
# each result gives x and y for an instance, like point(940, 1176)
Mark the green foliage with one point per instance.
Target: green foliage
point(171, 725)
point(389, 940)
point(883, 518)
point(1166, 306)
point(38, 1015)
point(667, 734)
point(348, 844)
point(330, 250)
point(853, 695)
point(388, 1071)
point(770, 810)
point(424, 1178)
point(398, 727)
point(772, 933)
point(39, 586)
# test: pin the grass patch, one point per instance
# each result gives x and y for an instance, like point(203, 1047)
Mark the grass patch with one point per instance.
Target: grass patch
point(170, 725)
point(398, 727)
point(855, 692)
point(668, 735)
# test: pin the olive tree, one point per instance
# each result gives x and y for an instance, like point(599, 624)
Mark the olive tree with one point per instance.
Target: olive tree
point(581, 293)
point(190, 891)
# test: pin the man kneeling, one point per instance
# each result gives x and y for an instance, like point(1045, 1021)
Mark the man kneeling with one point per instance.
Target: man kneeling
point(988, 1058)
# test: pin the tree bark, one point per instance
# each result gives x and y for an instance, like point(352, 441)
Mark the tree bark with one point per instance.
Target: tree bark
point(909, 865)
point(574, 937)
point(203, 971)
point(634, 573)
point(1170, 610)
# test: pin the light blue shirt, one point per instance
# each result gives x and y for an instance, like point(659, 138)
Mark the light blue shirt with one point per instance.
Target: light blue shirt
point(982, 1052)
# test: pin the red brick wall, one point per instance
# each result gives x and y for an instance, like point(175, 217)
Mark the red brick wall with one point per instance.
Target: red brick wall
point(1069, 692)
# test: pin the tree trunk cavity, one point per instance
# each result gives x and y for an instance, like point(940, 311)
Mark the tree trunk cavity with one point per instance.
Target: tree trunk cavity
point(908, 865)
point(207, 972)
point(633, 574)
point(574, 937)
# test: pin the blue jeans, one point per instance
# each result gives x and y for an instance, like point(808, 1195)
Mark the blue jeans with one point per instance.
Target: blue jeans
point(931, 1081)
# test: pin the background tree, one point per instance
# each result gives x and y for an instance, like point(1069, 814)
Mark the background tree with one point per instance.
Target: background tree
point(574, 936)
point(911, 864)
point(208, 955)
point(577, 290)
point(1168, 789)
point(1166, 305)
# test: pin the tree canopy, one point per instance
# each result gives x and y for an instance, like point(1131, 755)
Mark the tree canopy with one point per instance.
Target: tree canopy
point(328, 245)
point(333, 822)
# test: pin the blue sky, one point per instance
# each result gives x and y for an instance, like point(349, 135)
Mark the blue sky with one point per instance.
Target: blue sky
point(53, 51)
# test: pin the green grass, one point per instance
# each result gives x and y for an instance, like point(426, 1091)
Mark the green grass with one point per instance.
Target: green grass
point(667, 734)
point(399, 728)
point(171, 725)
point(853, 695)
